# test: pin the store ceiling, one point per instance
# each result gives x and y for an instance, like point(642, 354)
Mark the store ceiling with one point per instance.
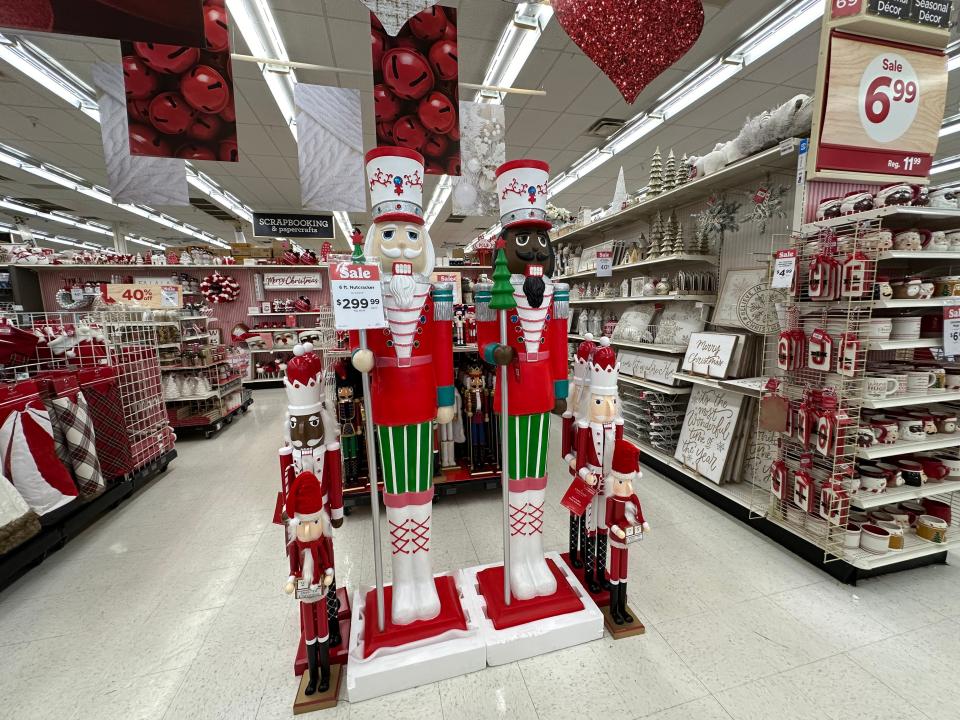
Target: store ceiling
point(335, 33)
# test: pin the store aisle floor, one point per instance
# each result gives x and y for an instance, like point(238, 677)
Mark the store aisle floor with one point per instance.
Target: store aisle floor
point(172, 607)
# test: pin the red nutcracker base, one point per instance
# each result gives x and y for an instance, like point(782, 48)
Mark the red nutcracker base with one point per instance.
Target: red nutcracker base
point(338, 655)
point(602, 598)
point(451, 618)
point(521, 612)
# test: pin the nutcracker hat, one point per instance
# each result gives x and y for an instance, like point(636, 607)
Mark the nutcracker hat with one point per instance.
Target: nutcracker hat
point(395, 175)
point(626, 460)
point(304, 381)
point(305, 498)
point(582, 358)
point(522, 189)
point(604, 370)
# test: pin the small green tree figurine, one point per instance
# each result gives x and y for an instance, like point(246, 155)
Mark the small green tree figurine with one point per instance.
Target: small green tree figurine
point(502, 287)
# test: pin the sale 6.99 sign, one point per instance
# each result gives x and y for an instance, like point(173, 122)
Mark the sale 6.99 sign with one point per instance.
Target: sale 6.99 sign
point(884, 106)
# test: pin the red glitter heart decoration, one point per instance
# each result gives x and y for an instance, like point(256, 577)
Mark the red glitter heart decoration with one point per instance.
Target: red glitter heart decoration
point(631, 41)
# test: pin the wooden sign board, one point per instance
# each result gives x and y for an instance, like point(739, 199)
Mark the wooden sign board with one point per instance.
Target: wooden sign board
point(709, 429)
point(709, 354)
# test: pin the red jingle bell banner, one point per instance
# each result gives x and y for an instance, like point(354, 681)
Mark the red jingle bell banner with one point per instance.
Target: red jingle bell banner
point(167, 21)
point(180, 99)
point(631, 41)
point(394, 14)
point(416, 88)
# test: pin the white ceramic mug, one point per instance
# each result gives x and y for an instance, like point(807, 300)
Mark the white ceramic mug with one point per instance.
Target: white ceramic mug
point(901, 379)
point(953, 382)
point(920, 381)
point(879, 329)
point(911, 430)
point(879, 387)
point(905, 328)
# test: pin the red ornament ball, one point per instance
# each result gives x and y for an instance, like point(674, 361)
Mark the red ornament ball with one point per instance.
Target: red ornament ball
point(407, 73)
point(193, 151)
point(139, 110)
point(228, 150)
point(170, 114)
point(386, 105)
point(139, 80)
point(167, 59)
point(216, 27)
point(380, 44)
point(443, 59)
point(385, 132)
point(229, 113)
point(205, 89)
point(430, 24)
point(436, 145)
point(205, 127)
point(406, 41)
point(454, 134)
point(450, 32)
point(453, 166)
point(437, 113)
point(145, 140)
point(434, 167)
point(409, 132)
point(34, 14)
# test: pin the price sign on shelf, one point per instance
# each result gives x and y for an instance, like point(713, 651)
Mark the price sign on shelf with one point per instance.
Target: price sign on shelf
point(357, 296)
point(845, 8)
point(151, 297)
point(784, 268)
point(951, 330)
point(883, 109)
point(604, 263)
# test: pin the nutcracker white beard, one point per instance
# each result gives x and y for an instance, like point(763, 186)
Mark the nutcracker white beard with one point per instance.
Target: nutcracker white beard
point(403, 288)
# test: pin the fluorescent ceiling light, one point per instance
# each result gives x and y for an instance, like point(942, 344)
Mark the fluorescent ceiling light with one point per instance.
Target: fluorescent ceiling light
point(16, 208)
point(950, 126)
point(945, 165)
point(343, 222)
point(56, 239)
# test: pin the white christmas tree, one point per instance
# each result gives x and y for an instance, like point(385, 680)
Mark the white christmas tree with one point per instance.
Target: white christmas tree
point(656, 174)
point(620, 196)
point(656, 236)
point(670, 172)
point(677, 234)
point(666, 244)
point(683, 171)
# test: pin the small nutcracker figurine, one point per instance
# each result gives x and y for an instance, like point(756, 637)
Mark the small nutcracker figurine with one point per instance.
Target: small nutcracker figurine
point(311, 573)
point(624, 519)
point(576, 409)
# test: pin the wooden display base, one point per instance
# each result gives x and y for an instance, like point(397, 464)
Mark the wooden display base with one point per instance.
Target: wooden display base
point(619, 632)
point(318, 701)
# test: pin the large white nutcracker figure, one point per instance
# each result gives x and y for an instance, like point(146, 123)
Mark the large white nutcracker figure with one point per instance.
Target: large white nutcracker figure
point(313, 445)
point(596, 435)
point(576, 409)
point(411, 372)
point(536, 358)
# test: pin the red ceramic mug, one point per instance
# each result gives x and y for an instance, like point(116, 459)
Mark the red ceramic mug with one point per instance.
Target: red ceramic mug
point(933, 468)
point(938, 509)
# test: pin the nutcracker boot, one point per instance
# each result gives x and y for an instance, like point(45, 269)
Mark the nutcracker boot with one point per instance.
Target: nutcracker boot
point(323, 653)
point(522, 584)
point(575, 560)
point(420, 516)
point(403, 607)
point(601, 574)
point(615, 614)
point(543, 577)
point(313, 659)
point(622, 598)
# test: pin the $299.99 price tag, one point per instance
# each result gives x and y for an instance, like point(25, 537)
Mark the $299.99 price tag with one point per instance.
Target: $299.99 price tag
point(357, 296)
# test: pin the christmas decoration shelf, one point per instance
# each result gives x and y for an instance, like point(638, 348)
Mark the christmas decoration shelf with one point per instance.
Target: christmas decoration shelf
point(709, 299)
point(894, 216)
point(663, 260)
point(670, 349)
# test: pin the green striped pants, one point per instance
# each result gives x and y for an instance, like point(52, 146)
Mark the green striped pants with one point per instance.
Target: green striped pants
point(528, 438)
point(406, 452)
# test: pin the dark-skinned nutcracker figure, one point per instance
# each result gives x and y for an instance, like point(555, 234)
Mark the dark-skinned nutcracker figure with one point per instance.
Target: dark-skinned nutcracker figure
point(576, 409)
point(411, 372)
point(311, 572)
point(313, 446)
point(536, 358)
point(596, 435)
point(625, 523)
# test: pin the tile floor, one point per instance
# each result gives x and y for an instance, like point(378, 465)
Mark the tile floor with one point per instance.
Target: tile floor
point(171, 607)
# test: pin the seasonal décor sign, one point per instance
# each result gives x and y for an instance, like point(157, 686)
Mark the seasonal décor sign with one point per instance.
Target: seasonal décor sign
point(710, 354)
point(293, 281)
point(709, 427)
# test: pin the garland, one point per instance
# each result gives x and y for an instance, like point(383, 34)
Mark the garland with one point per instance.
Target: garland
point(217, 288)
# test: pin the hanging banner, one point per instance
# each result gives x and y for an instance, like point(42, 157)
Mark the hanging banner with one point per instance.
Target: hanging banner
point(483, 149)
point(176, 22)
point(416, 89)
point(330, 147)
point(181, 99)
point(884, 107)
point(146, 180)
point(292, 225)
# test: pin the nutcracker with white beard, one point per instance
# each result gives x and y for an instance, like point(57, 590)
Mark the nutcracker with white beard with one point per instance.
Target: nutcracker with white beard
point(536, 360)
point(596, 435)
point(410, 363)
point(312, 445)
point(577, 409)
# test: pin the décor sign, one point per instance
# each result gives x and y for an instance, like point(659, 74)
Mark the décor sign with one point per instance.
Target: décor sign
point(290, 225)
point(293, 281)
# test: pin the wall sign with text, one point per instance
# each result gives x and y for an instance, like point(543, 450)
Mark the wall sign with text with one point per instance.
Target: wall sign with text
point(291, 225)
point(293, 281)
point(884, 106)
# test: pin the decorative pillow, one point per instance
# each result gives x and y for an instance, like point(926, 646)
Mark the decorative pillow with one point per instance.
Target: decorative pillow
point(635, 324)
point(80, 438)
point(678, 322)
point(18, 523)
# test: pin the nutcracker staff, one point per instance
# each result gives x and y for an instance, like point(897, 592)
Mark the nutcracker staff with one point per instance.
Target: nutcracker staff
point(576, 410)
point(596, 435)
point(623, 512)
point(313, 446)
point(410, 363)
point(311, 570)
point(536, 359)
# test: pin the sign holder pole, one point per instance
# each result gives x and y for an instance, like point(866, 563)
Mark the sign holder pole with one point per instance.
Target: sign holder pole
point(374, 493)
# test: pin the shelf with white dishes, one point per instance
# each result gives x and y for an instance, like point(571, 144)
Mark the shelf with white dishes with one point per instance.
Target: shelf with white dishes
point(195, 338)
point(917, 344)
point(263, 351)
point(655, 386)
point(194, 398)
point(895, 214)
point(263, 381)
point(937, 442)
point(669, 349)
point(708, 299)
point(917, 255)
point(662, 260)
point(188, 368)
point(913, 547)
point(892, 496)
point(284, 314)
point(937, 396)
point(780, 158)
point(907, 304)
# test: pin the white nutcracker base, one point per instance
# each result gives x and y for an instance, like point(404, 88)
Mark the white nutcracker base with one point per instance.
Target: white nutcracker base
point(432, 660)
point(540, 637)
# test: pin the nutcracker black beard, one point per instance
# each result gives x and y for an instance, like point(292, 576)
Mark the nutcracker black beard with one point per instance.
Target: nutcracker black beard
point(534, 287)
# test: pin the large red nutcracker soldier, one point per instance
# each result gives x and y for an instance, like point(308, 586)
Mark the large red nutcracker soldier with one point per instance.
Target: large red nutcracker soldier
point(411, 372)
point(536, 360)
point(624, 517)
point(596, 435)
point(313, 446)
point(311, 572)
point(576, 409)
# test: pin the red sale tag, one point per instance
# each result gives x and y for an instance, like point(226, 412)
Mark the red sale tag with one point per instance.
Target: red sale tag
point(951, 330)
point(845, 8)
point(579, 495)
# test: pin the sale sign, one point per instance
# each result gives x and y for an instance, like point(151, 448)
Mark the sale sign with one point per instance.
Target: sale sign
point(149, 297)
point(357, 296)
point(951, 330)
point(604, 263)
point(883, 108)
point(845, 8)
